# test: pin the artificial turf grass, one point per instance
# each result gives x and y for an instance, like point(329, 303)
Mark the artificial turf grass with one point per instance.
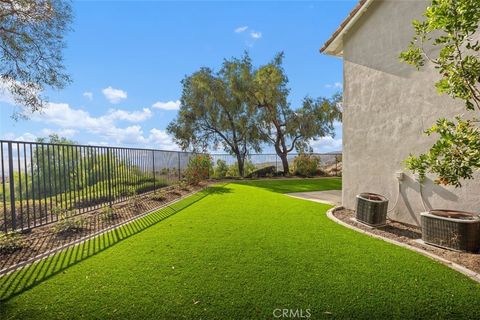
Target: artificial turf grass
point(241, 252)
point(19, 281)
point(295, 184)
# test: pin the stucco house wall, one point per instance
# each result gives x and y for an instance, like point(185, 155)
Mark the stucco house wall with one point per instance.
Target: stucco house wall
point(387, 106)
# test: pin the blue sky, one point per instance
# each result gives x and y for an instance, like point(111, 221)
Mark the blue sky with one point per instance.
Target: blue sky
point(127, 59)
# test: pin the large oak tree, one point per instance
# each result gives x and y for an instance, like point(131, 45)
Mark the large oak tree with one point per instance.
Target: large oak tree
point(289, 129)
point(243, 108)
point(215, 112)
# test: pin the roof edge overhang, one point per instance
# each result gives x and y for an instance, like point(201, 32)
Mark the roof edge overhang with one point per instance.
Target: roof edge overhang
point(334, 45)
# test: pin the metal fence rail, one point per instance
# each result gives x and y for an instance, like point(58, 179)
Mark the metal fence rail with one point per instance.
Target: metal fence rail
point(43, 182)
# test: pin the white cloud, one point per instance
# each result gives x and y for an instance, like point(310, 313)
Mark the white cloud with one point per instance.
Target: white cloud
point(7, 85)
point(241, 29)
point(135, 116)
point(170, 105)
point(336, 85)
point(62, 115)
point(256, 34)
point(114, 95)
point(88, 95)
point(326, 144)
point(30, 137)
point(27, 136)
point(133, 135)
point(95, 143)
point(160, 139)
point(5, 95)
point(70, 121)
point(67, 133)
point(128, 135)
point(250, 37)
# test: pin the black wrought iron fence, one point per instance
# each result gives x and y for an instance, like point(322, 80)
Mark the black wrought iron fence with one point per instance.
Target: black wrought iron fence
point(43, 182)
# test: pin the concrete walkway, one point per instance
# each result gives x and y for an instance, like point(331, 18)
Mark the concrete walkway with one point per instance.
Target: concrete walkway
point(333, 197)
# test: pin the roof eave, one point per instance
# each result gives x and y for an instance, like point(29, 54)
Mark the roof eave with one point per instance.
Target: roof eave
point(334, 45)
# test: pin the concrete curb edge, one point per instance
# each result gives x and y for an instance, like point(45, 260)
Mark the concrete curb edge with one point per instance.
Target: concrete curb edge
point(455, 266)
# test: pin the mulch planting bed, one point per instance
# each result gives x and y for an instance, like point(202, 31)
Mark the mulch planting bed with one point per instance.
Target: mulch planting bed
point(409, 234)
point(42, 239)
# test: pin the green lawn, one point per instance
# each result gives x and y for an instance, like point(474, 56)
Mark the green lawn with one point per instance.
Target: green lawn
point(238, 252)
point(296, 185)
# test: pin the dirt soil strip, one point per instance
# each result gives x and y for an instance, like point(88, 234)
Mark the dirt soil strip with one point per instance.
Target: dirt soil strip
point(46, 254)
point(455, 266)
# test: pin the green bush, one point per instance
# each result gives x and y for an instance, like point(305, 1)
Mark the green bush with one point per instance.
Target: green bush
point(264, 172)
point(233, 170)
point(11, 242)
point(183, 185)
point(165, 171)
point(248, 167)
point(221, 169)
point(198, 168)
point(134, 199)
point(108, 214)
point(58, 211)
point(454, 156)
point(67, 225)
point(160, 195)
point(305, 165)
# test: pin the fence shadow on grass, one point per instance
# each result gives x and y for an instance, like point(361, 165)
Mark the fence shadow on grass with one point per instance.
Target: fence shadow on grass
point(29, 276)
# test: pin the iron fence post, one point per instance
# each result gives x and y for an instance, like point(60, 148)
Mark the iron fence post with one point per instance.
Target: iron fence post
point(210, 159)
point(12, 187)
point(179, 174)
point(153, 170)
point(109, 179)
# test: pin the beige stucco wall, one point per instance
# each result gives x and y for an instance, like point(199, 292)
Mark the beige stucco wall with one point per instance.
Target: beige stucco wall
point(387, 106)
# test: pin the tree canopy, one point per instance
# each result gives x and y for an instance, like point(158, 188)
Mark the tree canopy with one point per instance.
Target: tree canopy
point(215, 112)
point(243, 108)
point(289, 129)
point(452, 26)
point(32, 38)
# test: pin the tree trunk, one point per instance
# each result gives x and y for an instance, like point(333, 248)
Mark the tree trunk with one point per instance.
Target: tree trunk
point(286, 169)
point(282, 153)
point(241, 164)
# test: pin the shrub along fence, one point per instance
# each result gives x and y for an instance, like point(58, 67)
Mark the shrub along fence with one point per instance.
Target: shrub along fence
point(225, 165)
point(42, 183)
